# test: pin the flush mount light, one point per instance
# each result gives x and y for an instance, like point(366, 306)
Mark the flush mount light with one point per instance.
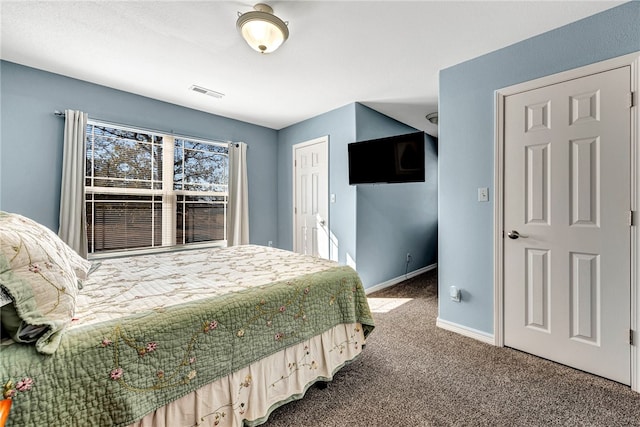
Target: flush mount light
point(262, 30)
point(432, 117)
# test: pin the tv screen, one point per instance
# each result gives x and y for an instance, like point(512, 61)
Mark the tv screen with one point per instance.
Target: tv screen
point(387, 160)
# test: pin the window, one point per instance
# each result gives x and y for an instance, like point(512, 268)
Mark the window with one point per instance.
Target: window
point(145, 189)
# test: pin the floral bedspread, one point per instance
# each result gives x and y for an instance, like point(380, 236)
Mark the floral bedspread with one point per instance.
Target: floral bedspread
point(150, 329)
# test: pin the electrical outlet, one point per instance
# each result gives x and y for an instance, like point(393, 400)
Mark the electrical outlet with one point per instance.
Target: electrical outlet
point(408, 257)
point(270, 243)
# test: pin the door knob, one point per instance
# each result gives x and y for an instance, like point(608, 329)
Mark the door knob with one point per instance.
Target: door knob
point(323, 222)
point(513, 234)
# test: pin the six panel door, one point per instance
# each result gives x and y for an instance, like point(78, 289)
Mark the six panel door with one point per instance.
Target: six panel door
point(567, 194)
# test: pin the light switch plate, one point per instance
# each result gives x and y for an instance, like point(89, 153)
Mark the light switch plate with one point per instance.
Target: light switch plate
point(483, 194)
point(454, 294)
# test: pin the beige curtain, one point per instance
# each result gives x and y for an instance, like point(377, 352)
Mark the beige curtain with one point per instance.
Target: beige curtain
point(238, 206)
point(73, 221)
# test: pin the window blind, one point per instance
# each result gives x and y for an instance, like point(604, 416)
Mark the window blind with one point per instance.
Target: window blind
point(146, 189)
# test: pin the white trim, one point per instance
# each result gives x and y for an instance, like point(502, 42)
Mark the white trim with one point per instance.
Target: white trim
point(498, 235)
point(150, 192)
point(467, 332)
point(319, 140)
point(396, 280)
point(157, 250)
point(632, 60)
point(635, 233)
point(576, 73)
point(155, 132)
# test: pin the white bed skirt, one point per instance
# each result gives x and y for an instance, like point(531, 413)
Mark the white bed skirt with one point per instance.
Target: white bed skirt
point(250, 394)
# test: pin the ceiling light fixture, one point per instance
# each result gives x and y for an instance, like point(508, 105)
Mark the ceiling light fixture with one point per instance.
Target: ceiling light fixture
point(432, 117)
point(262, 30)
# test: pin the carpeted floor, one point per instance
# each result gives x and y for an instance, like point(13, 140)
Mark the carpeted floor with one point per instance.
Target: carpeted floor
point(412, 373)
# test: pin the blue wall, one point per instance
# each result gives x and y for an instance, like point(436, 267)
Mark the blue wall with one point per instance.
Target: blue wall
point(339, 125)
point(395, 219)
point(374, 225)
point(466, 139)
point(32, 136)
point(31, 159)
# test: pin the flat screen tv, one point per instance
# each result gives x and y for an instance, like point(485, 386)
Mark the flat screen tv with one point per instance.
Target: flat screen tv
point(387, 160)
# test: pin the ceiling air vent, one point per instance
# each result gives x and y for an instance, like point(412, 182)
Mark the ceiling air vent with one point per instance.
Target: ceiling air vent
point(206, 91)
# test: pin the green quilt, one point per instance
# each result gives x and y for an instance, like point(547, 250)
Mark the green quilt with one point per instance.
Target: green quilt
point(114, 372)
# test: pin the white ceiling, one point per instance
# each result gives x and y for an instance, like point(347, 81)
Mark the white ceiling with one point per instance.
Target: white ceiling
point(384, 54)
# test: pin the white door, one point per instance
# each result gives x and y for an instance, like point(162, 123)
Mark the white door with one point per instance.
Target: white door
point(311, 189)
point(567, 194)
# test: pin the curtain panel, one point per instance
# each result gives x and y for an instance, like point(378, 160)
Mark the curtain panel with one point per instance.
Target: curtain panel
point(73, 219)
point(238, 205)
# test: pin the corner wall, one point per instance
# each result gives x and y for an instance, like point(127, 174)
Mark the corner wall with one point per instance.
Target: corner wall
point(339, 125)
point(31, 140)
point(374, 225)
point(395, 219)
point(466, 155)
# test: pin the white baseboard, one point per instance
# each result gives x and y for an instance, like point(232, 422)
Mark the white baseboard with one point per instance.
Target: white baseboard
point(399, 279)
point(467, 332)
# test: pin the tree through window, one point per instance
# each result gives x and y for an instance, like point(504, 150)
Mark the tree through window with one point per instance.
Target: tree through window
point(146, 189)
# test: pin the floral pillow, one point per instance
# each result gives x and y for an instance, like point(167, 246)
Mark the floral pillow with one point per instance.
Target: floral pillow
point(38, 272)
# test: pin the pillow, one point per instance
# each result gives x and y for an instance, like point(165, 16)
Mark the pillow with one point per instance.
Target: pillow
point(37, 271)
point(5, 299)
point(80, 265)
point(17, 329)
point(94, 265)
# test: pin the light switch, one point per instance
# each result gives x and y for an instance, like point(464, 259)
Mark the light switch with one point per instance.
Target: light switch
point(333, 198)
point(454, 294)
point(483, 194)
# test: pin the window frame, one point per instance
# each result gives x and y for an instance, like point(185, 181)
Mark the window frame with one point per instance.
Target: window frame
point(159, 196)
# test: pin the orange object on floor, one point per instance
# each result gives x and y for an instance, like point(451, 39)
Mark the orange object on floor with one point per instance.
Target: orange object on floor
point(5, 407)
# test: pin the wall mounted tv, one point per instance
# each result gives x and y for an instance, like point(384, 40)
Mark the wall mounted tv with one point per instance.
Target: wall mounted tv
point(387, 160)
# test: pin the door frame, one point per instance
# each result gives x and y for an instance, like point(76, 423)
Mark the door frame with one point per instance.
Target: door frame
point(322, 139)
point(632, 60)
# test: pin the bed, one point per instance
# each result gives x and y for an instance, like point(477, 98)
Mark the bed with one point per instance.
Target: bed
point(218, 336)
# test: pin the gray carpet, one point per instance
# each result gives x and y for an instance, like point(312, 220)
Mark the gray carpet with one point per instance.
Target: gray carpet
point(412, 373)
